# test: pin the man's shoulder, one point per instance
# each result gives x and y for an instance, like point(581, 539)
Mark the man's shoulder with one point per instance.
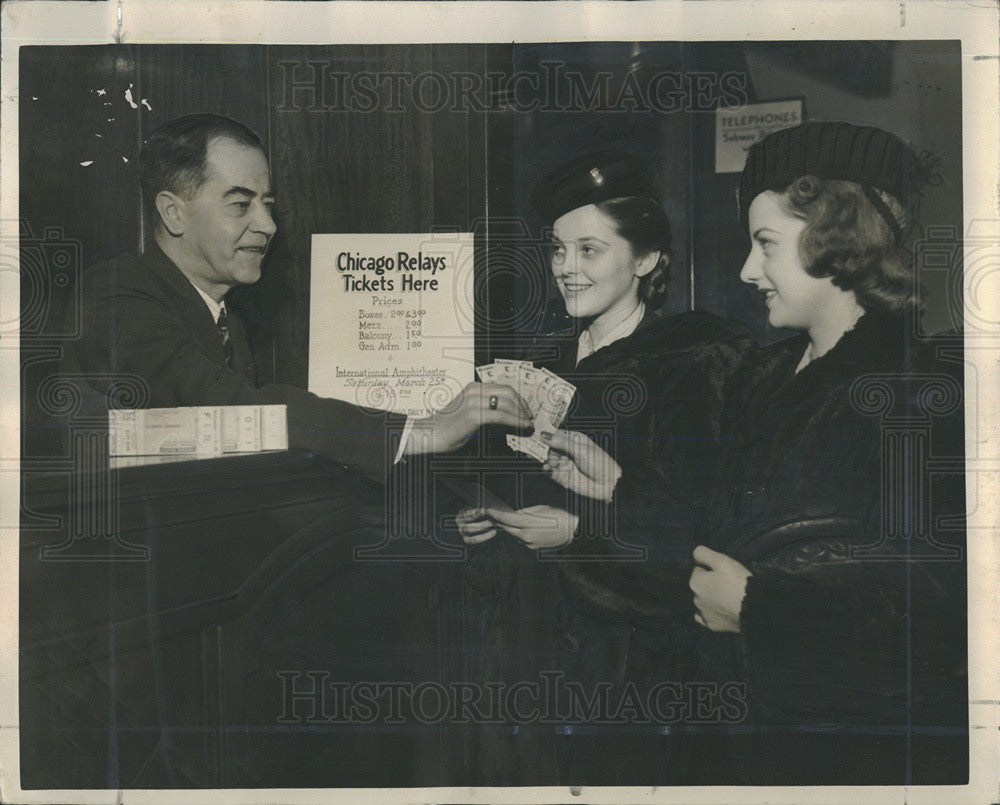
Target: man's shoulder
point(127, 275)
point(112, 265)
point(122, 270)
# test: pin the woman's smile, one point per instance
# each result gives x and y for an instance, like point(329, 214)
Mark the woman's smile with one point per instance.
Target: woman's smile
point(593, 266)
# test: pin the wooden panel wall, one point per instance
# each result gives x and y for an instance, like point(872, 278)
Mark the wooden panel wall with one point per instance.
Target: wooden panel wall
point(79, 187)
point(363, 171)
point(79, 144)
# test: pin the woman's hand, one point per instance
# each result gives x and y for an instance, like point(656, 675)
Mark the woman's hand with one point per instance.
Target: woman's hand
point(536, 526)
point(719, 583)
point(475, 526)
point(576, 462)
point(476, 405)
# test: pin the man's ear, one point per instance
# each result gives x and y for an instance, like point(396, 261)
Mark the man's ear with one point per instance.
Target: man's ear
point(171, 209)
point(647, 263)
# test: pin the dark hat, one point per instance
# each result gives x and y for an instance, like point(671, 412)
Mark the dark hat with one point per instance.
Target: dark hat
point(869, 156)
point(591, 179)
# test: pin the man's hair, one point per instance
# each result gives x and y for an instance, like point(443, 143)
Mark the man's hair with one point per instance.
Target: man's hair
point(173, 157)
point(644, 224)
point(848, 239)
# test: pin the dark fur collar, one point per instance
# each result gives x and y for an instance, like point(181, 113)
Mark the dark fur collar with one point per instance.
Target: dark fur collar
point(878, 342)
point(655, 335)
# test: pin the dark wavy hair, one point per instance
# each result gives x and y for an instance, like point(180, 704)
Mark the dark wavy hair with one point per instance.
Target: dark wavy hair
point(644, 224)
point(173, 156)
point(849, 240)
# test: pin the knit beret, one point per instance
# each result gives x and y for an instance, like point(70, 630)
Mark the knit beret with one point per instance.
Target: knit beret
point(591, 179)
point(869, 156)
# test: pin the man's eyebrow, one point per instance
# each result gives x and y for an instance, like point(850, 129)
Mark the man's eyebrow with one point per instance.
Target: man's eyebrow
point(238, 190)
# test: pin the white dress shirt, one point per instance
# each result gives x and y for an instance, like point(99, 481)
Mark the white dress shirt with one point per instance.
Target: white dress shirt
point(586, 344)
point(215, 308)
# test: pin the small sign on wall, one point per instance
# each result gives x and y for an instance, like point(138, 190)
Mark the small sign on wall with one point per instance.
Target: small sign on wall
point(391, 319)
point(737, 130)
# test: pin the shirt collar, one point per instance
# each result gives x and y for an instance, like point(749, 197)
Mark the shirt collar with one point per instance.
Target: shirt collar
point(587, 346)
point(215, 308)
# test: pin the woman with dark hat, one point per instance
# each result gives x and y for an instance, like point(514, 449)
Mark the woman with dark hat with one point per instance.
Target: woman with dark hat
point(653, 386)
point(644, 375)
point(822, 586)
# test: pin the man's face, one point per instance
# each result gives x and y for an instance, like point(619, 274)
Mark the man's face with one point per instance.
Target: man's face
point(228, 223)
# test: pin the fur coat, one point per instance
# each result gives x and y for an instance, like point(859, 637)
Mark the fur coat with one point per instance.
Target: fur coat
point(655, 400)
point(853, 629)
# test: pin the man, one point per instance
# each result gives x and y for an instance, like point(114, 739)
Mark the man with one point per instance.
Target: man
point(162, 316)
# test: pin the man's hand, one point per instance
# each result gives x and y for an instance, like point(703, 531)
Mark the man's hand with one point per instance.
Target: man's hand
point(476, 405)
point(719, 583)
point(577, 463)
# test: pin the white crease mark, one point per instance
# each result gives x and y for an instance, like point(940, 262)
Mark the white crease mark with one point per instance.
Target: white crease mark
point(118, 27)
point(128, 97)
point(88, 163)
point(125, 160)
point(145, 103)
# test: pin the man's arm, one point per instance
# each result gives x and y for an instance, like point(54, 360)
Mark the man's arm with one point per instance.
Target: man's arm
point(134, 326)
point(130, 328)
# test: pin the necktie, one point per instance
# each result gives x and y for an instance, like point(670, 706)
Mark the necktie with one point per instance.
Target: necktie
point(227, 343)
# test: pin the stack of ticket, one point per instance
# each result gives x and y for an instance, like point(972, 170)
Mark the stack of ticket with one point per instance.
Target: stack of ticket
point(198, 431)
point(547, 395)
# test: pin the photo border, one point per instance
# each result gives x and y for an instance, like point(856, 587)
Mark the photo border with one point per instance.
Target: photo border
point(179, 21)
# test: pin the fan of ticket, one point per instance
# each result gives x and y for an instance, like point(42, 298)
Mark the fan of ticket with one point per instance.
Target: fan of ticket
point(547, 395)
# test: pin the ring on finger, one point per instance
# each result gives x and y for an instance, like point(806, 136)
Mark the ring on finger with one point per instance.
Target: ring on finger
point(494, 402)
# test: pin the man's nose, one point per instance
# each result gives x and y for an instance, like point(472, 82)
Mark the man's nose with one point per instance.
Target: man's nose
point(264, 222)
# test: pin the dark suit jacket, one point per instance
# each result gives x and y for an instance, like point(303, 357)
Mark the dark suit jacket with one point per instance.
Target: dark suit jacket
point(142, 317)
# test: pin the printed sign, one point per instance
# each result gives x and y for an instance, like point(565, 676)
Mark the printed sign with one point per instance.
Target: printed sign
point(391, 320)
point(736, 130)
